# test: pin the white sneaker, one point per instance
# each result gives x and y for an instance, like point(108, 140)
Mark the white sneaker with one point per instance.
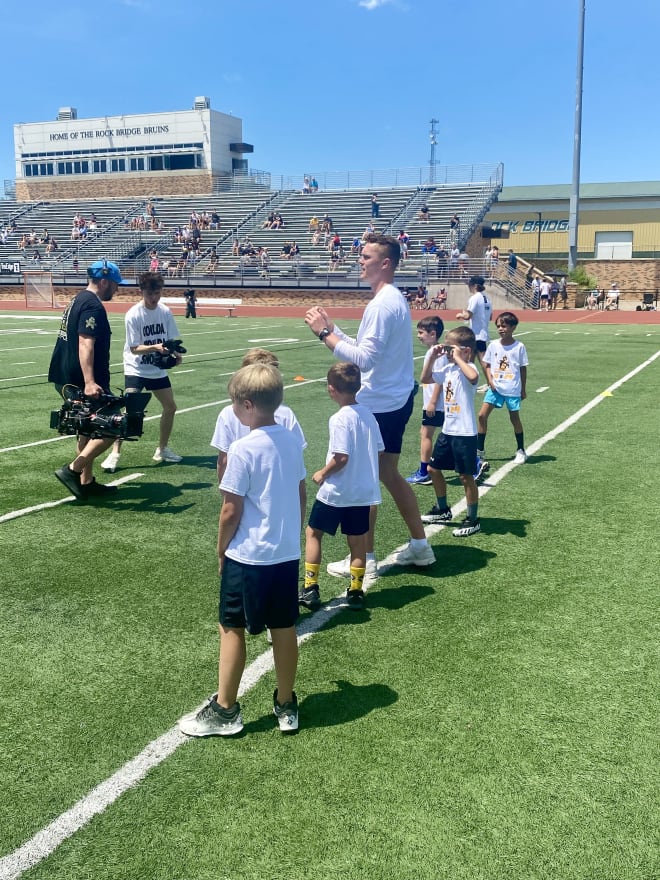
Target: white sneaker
point(521, 457)
point(166, 454)
point(287, 715)
point(408, 556)
point(342, 569)
point(213, 720)
point(111, 462)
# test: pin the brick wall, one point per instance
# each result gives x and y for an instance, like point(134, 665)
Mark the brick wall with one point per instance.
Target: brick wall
point(122, 186)
point(633, 277)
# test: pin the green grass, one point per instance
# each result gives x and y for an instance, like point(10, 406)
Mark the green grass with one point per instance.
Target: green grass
point(493, 717)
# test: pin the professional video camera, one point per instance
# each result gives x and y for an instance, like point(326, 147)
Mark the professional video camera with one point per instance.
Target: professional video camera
point(167, 361)
point(107, 416)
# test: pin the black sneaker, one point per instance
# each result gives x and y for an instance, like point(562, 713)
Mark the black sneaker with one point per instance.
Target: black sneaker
point(355, 599)
point(435, 515)
point(467, 527)
point(309, 597)
point(71, 480)
point(96, 490)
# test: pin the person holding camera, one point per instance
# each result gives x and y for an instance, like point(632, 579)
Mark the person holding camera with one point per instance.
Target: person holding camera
point(81, 358)
point(149, 326)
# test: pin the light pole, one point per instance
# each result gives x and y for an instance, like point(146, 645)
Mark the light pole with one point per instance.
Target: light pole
point(434, 143)
point(577, 143)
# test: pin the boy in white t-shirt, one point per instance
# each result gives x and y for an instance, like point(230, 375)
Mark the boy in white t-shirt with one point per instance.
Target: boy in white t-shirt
point(228, 428)
point(348, 485)
point(258, 551)
point(506, 370)
point(456, 447)
point(429, 331)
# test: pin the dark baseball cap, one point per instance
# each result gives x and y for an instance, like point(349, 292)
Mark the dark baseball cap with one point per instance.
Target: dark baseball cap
point(105, 269)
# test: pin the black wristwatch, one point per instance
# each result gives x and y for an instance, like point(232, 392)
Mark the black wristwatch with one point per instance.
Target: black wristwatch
point(325, 332)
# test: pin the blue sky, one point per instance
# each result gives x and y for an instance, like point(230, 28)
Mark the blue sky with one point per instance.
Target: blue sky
point(353, 84)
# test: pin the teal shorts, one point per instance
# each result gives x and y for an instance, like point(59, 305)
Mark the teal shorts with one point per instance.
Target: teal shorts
point(494, 398)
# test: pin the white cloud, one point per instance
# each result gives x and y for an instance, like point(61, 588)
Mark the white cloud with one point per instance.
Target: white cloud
point(373, 4)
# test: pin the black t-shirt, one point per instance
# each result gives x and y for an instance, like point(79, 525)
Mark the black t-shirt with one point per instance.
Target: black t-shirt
point(84, 316)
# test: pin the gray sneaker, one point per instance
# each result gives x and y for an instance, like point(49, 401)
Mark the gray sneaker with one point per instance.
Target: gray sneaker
point(467, 527)
point(436, 515)
point(342, 569)
point(213, 720)
point(287, 714)
point(408, 556)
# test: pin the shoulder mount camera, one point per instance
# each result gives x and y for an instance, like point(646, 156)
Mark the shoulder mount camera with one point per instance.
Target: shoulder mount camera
point(107, 416)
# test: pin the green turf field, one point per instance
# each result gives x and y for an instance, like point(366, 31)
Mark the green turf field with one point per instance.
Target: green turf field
point(494, 716)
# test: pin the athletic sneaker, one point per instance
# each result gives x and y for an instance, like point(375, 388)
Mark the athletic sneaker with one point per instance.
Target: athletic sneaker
point(435, 515)
point(355, 599)
point(467, 527)
point(111, 462)
point(287, 715)
point(309, 597)
point(166, 454)
point(408, 556)
point(342, 569)
point(71, 480)
point(213, 720)
point(521, 457)
point(482, 469)
point(419, 479)
point(482, 389)
point(96, 490)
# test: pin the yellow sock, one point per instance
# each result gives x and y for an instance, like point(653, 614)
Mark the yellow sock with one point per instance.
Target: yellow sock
point(311, 574)
point(357, 576)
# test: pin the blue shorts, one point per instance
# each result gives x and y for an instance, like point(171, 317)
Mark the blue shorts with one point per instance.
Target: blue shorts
point(393, 425)
point(254, 597)
point(455, 453)
point(494, 398)
point(326, 518)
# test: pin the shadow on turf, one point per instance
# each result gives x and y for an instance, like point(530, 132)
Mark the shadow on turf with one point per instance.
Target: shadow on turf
point(330, 708)
point(494, 525)
point(156, 497)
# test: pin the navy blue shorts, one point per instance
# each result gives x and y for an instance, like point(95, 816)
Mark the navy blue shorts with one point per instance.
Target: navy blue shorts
point(140, 384)
point(353, 520)
point(254, 597)
point(455, 453)
point(393, 425)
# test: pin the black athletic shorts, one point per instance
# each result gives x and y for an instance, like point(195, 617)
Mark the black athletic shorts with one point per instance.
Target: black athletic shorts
point(437, 420)
point(455, 453)
point(140, 384)
point(353, 520)
point(258, 596)
point(393, 425)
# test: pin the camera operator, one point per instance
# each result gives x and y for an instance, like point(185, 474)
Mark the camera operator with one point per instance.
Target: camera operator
point(149, 324)
point(81, 357)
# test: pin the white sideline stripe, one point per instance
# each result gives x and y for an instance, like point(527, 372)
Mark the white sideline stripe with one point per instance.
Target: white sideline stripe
point(46, 841)
point(14, 514)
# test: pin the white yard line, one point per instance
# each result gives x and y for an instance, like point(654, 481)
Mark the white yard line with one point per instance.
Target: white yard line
point(15, 514)
point(46, 841)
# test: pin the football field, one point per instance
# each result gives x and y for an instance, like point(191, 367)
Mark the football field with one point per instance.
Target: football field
point(492, 716)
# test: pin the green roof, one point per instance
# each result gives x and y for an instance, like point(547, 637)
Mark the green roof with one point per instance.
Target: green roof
point(634, 189)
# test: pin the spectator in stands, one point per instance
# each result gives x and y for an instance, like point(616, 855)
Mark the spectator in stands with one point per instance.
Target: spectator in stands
point(286, 250)
point(235, 247)
point(36, 256)
point(494, 261)
point(204, 220)
point(264, 262)
point(463, 261)
point(75, 233)
point(404, 242)
point(454, 227)
point(356, 246)
point(316, 238)
point(443, 261)
point(295, 250)
point(154, 262)
point(45, 237)
point(268, 222)
point(429, 246)
point(424, 215)
point(307, 188)
point(326, 225)
point(23, 243)
point(82, 229)
point(487, 255)
point(52, 245)
point(613, 295)
point(512, 262)
point(314, 186)
point(375, 206)
point(335, 242)
point(278, 222)
point(215, 220)
point(74, 265)
point(213, 259)
point(453, 261)
point(194, 218)
point(313, 225)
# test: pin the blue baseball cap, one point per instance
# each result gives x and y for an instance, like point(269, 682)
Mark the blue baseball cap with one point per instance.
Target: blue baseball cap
point(105, 269)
